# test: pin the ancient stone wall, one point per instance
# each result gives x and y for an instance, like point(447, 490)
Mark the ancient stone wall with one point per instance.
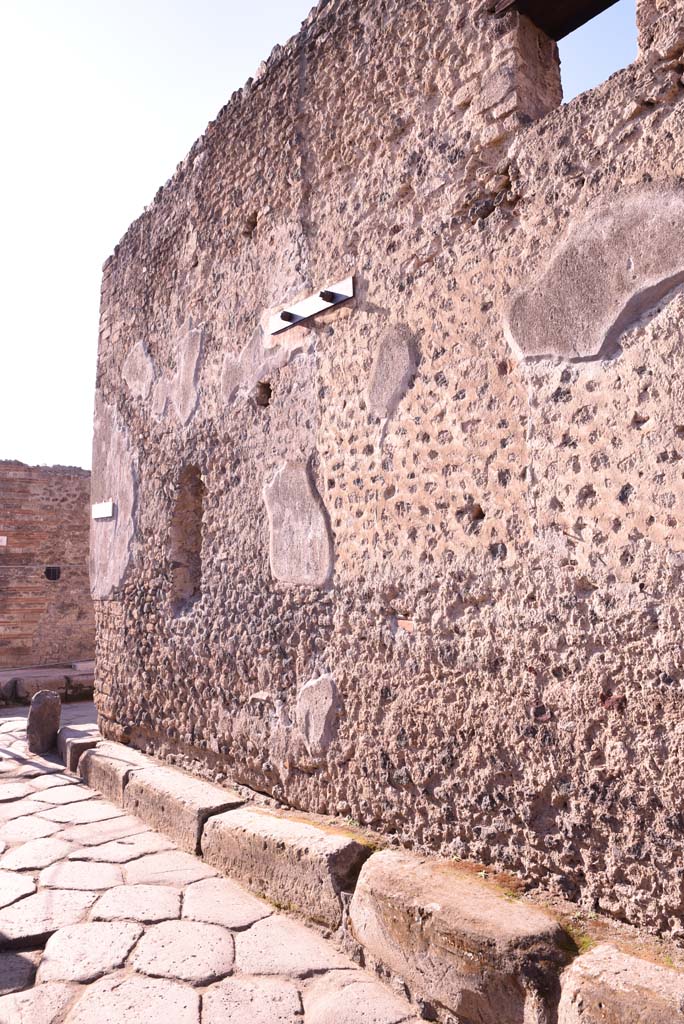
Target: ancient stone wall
point(439, 577)
point(44, 526)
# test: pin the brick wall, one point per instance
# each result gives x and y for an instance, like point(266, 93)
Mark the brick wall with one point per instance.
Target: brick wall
point(44, 518)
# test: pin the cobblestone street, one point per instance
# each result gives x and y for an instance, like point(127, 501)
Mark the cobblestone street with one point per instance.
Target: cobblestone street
point(105, 921)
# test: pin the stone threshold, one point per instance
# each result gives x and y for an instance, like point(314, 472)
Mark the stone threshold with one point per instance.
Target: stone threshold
point(455, 942)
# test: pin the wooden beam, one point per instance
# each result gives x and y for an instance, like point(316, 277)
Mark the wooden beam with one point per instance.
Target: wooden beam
point(559, 18)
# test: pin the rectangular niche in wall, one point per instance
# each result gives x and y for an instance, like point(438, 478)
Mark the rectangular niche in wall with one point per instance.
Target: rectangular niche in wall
point(186, 541)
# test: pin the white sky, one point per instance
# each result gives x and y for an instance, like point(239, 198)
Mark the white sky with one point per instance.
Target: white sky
point(101, 99)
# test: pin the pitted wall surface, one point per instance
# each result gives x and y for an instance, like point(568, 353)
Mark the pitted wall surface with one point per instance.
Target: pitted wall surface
point(480, 547)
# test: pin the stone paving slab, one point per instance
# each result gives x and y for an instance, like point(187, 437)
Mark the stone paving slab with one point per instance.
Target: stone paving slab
point(172, 868)
point(188, 950)
point(120, 851)
point(253, 1000)
point(35, 854)
point(17, 970)
point(27, 827)
point(135, 999)
point(82, 813)
point(84, 952)
point(220, 901)
point(81, 875)
point(106, 830)
point(14, 887)
point(34, 919)
point(279, 945)
point(44, 1004)
point(352, 998)
point(146, 903)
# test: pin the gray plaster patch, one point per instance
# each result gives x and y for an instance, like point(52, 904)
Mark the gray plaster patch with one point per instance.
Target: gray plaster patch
point(181, 391)
point(614, 266)
point(317, 713)
point(114, 477)
point(138, 371)
point(301, 547)
point(184, 393)
point(394, 366)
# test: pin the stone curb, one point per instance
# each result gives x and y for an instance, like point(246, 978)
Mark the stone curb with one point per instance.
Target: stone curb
point(297, 865)
point(462, 947)
point(176, 804)
point(606, 986)
point(72, 742)
point(456, 941)
point(108, 766)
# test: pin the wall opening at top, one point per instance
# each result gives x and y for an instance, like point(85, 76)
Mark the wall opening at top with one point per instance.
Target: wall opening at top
point(594, 38)
point(598, 48)
point(185, 541)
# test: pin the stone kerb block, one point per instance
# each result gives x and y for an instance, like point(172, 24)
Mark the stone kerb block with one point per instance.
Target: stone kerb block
point(297, 865)
point(456, 941)
point(107, 768)
point(606, 986)
point(72, 742)
point(43, 722)
point(176, 804)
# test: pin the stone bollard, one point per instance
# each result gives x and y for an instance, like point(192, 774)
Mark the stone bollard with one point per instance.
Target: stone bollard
point(43, 721)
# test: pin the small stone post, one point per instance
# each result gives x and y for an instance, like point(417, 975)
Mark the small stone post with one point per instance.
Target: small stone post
point(43, 721)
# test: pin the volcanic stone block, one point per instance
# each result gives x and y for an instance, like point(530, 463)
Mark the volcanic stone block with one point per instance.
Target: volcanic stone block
point(606, 986)
point(177, 804)
point(43, 722)
point(291, 862)
point(107, 767)
point(318, 706)
point(456, 940)
point(72, 742)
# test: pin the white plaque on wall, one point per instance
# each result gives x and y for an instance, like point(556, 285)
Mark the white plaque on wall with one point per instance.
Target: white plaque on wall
point(103, 510)
point(3, 542)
